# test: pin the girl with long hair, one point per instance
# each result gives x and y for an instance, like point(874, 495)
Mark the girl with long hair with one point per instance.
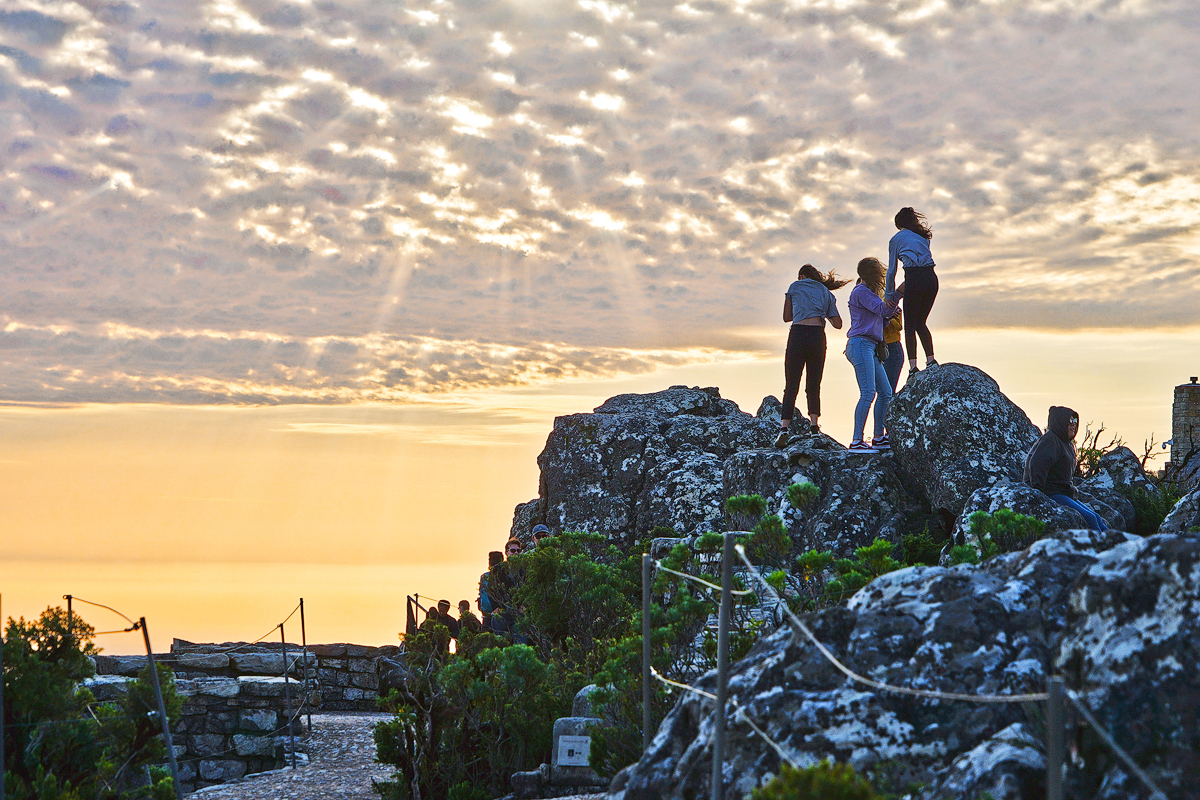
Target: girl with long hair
point(868, 313)
point(807, 303)
point(910, 247)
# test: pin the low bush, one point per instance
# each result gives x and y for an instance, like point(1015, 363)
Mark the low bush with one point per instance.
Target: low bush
point(824, 781)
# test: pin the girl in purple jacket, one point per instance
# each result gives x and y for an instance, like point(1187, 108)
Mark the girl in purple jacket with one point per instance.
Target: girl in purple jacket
point(868, 313)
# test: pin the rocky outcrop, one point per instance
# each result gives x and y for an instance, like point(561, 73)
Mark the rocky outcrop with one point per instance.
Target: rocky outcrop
point(1185, 516)
point(861, 496)
point(997, 629)
point(640, 462)
point(953, 431)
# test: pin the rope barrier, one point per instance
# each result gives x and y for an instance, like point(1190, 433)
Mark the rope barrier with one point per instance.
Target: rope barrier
point(110, 608)
point(799, 628)
point(1118, 751)
point(695, 579)
point(741, 713)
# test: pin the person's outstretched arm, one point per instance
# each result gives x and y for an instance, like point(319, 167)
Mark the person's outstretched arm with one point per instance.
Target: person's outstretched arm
point(889, 287)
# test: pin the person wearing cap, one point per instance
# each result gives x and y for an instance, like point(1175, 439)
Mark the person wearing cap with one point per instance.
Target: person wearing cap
point(540, 532)
point(486, 603)
point(1051, 464)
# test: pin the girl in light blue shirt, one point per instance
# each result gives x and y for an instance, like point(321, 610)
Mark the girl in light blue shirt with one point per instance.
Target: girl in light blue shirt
point(910, 247)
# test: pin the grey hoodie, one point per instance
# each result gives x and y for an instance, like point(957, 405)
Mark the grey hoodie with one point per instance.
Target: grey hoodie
point(1051, 463)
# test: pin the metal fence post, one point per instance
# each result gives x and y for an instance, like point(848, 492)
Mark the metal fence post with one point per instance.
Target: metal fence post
point(1054, 739)
point(162, 709)
point(287, 695)
point(718, 778)
point(307, 688)
point(647, 580)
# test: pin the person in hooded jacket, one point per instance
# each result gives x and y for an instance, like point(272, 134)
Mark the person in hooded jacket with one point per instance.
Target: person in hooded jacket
point(1051, 465)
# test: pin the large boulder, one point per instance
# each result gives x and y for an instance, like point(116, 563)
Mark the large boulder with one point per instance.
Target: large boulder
point(640, 462)
point(987, 630)
point(953, 431)
point(1132, 650)
point(1185, 516)
point(1021, 498)
point(861, 495)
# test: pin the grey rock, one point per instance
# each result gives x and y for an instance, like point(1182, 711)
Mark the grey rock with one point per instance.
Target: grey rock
point(969, 630)
point(953, 431)
point(1022, 499)
point(1132, 649)
point(253, 745)
point(129, 666)
point(107, 688)
point(529, 784)
point(202, 661)
point(861, 496)
point(641, 462)
point(1008, 766)
point(581, 706)
point(1184, 516)
point(257, 663)
point(258, 720)
point(206, 744)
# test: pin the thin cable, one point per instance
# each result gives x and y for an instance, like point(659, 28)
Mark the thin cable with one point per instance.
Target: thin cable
point(1126, 759)
point(101, 605)
point(739, 593)
point(798, 627)
point(123, 630)
point(740, 711)
point(289, 616)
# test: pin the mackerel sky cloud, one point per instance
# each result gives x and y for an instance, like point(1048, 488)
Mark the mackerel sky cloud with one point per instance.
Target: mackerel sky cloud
point(328, 202)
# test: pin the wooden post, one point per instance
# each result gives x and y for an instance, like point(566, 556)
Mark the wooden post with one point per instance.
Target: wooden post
point(2, 762)
point(307, 688)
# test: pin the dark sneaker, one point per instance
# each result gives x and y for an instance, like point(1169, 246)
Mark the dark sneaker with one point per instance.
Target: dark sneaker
point(881, 443)
point(814, 429)
point(930, 363)
point(782, 439)
point(861, 447)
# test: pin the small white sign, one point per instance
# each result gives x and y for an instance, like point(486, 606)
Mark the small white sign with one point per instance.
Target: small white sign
point(573, 750)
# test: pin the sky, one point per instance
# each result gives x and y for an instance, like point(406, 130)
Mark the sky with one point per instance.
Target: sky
point(292, 289)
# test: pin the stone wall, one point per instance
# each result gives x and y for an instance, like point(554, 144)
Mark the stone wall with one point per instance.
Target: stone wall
point(237, 703)
point(229, 727)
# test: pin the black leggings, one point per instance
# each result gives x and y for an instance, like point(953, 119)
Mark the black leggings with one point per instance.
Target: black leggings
point(920, 290)
point(805, 348)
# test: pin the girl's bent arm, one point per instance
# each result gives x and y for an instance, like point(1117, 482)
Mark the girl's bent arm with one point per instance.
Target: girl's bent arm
point(787, 309)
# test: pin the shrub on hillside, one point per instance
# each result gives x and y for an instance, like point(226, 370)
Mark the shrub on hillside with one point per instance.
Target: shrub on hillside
point(824, 781)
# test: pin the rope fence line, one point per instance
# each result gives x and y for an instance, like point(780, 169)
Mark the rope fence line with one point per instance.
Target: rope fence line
point(301, 659)
point(741, 713)
point(1118, 751)
point(1054, 697)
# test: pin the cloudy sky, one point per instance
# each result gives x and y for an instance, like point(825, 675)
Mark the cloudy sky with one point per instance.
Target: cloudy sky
point(382, 209)
point(339, 201)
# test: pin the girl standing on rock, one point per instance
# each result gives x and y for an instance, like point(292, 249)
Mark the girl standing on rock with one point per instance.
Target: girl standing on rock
point(807, 303)
point(910, 246)
point(868, 313)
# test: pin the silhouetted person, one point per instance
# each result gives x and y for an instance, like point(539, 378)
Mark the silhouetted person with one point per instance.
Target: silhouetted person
point(1051, 465)
point(467, 621)
point(487, 603)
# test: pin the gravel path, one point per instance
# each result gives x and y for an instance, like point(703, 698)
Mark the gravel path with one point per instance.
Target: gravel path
point(341, 766)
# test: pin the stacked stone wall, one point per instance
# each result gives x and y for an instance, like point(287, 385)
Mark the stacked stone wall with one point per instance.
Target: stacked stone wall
point(237, 704)
point(1185, 422)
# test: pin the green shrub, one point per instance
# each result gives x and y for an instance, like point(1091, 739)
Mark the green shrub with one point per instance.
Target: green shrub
point(710, 542)
point(825, 781)
point(802, 494)
point(744, 510)
point(920, 549)
point(1150, 508)
point(1009, 530)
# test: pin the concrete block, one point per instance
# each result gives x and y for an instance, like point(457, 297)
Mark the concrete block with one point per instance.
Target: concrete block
point(569, 756)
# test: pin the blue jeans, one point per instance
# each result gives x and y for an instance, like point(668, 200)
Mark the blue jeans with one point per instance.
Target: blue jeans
point(893, 364)
point(1093, 520)
point(873, 385)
